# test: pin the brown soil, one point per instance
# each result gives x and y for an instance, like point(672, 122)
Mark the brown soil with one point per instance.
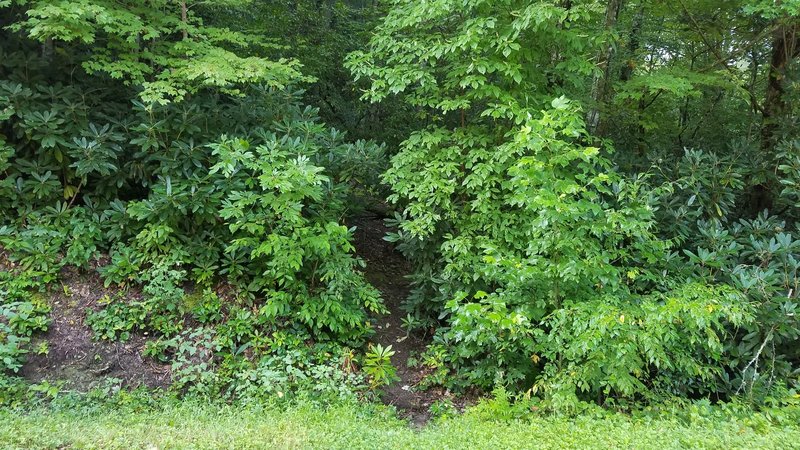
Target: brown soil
point(74, 358)
point(387, 270)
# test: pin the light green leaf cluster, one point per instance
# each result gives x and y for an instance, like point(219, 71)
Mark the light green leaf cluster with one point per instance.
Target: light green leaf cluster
point(151, 45)
point(306, 267)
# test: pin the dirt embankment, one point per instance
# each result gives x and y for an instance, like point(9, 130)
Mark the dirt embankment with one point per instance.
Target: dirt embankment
point(73, 357)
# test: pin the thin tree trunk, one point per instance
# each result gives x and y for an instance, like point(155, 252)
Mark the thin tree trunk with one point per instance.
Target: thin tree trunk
point(683, 118)
point(47, 50)
point(600, 81)
point(626, 72)
point(184, 18)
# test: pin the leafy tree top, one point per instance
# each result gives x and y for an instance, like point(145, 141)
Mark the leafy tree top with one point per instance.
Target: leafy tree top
point(162, 45)
point(496, 56)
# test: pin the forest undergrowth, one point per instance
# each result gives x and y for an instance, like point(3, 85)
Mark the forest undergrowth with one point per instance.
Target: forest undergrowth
point(561, 207)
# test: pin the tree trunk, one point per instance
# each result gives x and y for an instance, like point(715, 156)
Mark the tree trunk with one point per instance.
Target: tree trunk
point(600, 81)
point(626, 72)
point(785, 48)
point(47, 50)
point(184, 18)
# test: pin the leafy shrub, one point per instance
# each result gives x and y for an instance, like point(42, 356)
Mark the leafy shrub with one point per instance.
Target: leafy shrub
point(700, 209)
point(547, 229)
point(191, 361)
point(378, 365)
point(759, 258)
point(667, 345)
point(12, 349)
point(701, 186)
point(205, 306)
point(22, 314)
point(161, 309)
point(302, 266)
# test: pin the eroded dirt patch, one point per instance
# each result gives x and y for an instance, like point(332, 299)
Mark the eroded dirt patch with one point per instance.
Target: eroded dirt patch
point(73, 357)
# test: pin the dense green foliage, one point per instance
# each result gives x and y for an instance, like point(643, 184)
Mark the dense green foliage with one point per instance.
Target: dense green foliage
point(552, 262)
point(254, 222)
point(599, 198)
point(138, 45)
point(24, 312)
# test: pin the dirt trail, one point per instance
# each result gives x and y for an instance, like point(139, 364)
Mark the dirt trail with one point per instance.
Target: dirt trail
point(387, 270)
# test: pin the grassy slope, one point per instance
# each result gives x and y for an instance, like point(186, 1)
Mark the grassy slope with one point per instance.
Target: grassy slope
point(352, 427)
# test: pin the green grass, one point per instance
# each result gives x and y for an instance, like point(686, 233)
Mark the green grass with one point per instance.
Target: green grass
point(193, 425)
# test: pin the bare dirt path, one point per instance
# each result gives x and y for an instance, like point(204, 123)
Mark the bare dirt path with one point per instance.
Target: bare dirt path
point(387, 270)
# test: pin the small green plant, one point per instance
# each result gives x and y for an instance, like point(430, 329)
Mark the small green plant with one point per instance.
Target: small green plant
point(503, 405)
point(378, 366)
point(442, 408)
point(25, 318)
point(292, 369)
point(43, 348)
point(434, 358)
point(192, 366)
point(207, 308)
point(411, 322)
point(12, 349)
point(117, 320)
point(23, 313)
point(45, 390)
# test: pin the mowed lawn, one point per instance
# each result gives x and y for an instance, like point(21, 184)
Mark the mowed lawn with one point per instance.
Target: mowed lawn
point(193, 425)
